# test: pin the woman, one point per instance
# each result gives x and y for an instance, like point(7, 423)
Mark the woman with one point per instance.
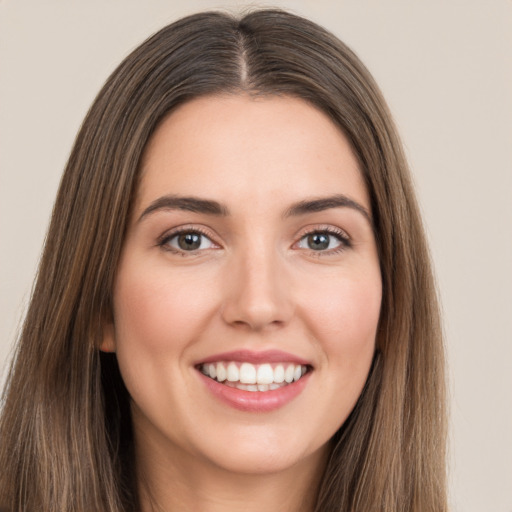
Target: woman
point(235, 307)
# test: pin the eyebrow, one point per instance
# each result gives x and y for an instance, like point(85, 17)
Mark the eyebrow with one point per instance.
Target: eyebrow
point(326, 203)
point(189, 204)
point(210, 207)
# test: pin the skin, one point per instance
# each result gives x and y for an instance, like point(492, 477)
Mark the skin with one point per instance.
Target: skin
point(256, 284)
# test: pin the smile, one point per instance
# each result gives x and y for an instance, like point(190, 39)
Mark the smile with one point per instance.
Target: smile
point(253, 381)
point(254, 377)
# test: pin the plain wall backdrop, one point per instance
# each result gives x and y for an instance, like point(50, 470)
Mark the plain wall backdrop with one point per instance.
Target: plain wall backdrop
point(445, 67)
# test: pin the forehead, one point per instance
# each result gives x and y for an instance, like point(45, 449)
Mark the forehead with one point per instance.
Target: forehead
point(240, 146)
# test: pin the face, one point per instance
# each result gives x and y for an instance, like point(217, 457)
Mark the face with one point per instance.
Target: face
point(248, 293)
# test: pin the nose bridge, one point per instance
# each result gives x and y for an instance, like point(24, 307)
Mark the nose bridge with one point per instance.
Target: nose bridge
point(258, 293)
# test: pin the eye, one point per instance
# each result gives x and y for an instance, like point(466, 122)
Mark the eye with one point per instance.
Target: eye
point(323, 241)
point(187, 241)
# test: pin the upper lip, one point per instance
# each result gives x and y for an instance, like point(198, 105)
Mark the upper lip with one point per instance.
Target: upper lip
point(249, 356)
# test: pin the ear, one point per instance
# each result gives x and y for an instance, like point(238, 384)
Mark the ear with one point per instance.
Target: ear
point(108, 343)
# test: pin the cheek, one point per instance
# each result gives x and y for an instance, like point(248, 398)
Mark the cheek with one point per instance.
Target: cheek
point(158, 314)
point(157, 310)
point(344, 315)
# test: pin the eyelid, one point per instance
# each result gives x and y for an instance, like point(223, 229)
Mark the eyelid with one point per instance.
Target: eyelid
point(323, 228)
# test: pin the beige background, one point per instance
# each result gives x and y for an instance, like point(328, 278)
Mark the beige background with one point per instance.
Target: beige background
point(445, 67)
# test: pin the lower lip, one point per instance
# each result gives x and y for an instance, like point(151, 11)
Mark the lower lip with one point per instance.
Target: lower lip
point(256, 401)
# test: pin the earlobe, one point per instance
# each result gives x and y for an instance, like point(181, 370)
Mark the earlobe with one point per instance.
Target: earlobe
point(108, 343)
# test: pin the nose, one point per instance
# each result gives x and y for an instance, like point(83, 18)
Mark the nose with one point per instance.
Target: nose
point(258, 292)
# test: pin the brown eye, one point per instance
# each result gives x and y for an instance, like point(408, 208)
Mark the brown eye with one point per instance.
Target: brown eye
point(189, 241)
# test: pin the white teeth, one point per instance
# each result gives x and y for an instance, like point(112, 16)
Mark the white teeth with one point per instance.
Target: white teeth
point(279, 373)
point(265, 374)
point(247, 373)
point(250, 377)
point(233, 373)
point(288, 373)
point(221, 372)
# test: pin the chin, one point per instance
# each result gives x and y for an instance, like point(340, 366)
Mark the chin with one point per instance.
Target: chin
point(263, 453)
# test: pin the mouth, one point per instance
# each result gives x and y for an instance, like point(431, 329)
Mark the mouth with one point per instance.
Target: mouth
point(255, 382)
point(251, 377)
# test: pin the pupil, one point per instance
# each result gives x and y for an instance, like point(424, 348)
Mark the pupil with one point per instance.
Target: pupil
point(189, 241)
point(318, 241)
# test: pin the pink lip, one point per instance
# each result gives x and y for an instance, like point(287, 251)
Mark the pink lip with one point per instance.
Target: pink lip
point(257, 401)
point(267, 356)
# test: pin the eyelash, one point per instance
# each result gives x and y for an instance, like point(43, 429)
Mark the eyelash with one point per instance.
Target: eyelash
point(341, 236)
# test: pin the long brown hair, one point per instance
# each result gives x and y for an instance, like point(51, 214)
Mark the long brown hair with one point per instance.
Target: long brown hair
point(65, 429)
